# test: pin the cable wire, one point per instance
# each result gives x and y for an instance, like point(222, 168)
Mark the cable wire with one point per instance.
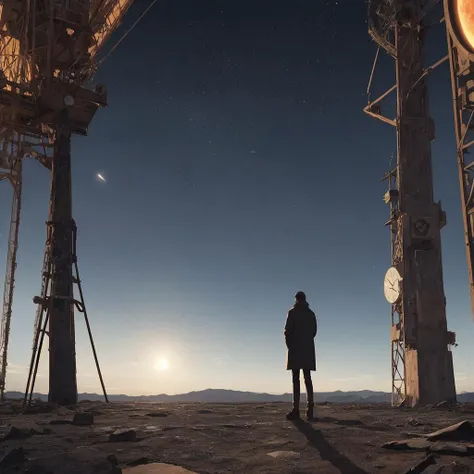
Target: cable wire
point(114, 47)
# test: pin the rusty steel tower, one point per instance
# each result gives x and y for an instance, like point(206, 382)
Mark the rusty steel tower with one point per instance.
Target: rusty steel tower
point(422, 363)
point(459, 16)
point(48, 54)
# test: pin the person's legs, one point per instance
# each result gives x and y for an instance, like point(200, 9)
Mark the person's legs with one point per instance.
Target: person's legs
point(295, 413)
point(296, 390)
point(309, 393)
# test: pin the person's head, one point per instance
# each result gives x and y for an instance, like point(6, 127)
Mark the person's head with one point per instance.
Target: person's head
point(300, 297)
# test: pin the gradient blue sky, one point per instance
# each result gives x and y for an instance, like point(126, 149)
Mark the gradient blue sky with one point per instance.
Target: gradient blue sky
point(240, 168)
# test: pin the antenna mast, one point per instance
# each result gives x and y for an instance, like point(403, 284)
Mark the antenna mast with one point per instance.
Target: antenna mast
point(422, 364)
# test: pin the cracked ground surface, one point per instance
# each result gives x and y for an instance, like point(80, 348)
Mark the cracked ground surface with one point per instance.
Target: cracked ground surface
point(241, 438)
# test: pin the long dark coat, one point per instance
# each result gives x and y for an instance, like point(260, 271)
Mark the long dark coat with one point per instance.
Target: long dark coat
point(300, 330)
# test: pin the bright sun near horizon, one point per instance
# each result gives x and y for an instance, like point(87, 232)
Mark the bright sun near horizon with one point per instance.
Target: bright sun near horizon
point(161, 364)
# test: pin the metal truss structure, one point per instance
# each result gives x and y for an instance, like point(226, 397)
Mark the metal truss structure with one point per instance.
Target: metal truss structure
point(48, 54)
point(422, 366)
point(460, 35)
point(397, 329)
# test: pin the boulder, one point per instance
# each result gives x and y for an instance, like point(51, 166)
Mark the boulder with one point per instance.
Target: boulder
point(462, 431)
point(83, 419)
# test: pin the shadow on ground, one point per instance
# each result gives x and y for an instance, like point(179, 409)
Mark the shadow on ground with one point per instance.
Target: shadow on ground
point(326, 451)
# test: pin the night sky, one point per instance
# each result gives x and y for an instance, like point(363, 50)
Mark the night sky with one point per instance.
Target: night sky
point(240, 168)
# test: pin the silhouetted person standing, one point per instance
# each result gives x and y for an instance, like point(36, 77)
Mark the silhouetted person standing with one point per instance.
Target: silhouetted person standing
point(300, 330)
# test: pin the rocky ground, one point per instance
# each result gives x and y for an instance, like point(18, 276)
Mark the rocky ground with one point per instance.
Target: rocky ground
point(99, 438)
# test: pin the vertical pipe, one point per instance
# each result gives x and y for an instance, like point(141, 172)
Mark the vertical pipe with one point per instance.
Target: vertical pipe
point(62, 356)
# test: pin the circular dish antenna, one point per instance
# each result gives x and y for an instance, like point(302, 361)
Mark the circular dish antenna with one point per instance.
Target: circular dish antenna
point(460, 22)
point(391, 285)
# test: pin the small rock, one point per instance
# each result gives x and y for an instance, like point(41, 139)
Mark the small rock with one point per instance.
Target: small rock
point(204, 412)
point(409, 444)
point(83, 419)
point(157, 414)
point(414, 422)
point(62, 411)
point(60, 422)
point(13, 457)
point(283, 454)
point(456, 449)
point(123, 435)
point(112, 459)
point(445, 404)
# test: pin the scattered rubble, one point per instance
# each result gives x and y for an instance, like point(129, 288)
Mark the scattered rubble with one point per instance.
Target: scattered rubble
point(220, 440)
point(444, 441)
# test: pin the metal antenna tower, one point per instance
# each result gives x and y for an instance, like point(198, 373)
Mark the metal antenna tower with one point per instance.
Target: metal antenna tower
point(11, 170)
point(422, 364)
point(14, 147)
point(459, 16)
point(48, 53)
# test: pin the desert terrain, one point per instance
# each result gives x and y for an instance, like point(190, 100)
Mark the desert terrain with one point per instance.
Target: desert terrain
point(100, 438)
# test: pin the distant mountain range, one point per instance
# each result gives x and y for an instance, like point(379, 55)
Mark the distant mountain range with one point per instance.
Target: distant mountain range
point(232, 396)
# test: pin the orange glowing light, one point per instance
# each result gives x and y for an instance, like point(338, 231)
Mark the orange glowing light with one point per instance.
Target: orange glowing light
point(465, 13)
